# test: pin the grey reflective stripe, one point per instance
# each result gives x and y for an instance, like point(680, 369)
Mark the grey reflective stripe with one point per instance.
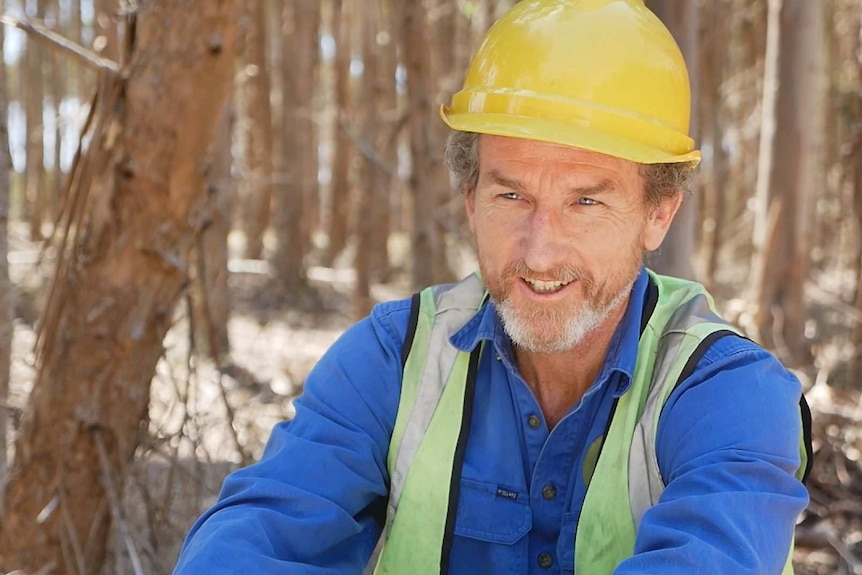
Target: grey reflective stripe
point(645, 480)
point(455, 305)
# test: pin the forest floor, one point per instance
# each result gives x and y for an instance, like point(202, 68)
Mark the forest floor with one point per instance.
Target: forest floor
point(207, 422)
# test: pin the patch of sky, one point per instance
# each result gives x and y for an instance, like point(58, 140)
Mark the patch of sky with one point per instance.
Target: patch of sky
point(17, 128)
point(70, 121)
point(14, 41)
point(401, 79)
point(327, 46)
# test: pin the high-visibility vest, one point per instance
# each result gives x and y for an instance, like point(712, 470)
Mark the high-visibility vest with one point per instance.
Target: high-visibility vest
point(430, 434)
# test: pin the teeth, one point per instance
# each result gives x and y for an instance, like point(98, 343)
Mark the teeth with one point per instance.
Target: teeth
point(544, 286)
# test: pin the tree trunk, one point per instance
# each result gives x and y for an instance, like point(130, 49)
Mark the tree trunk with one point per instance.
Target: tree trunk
point(338, 229)
point(715, 197)
point(258, 128)
point(386, 169)
point(59, 90)
point(308, 137)
point(279, 70)
point(464, 42)
point(399, 139)
point(677, 253)
point(768, 137)
point(787, 174)
point(135, 218)
point(826, 234)
point(745, 51)
point(428, 243)
point(444, 79)
point(483, 17)
point(367, 197)
point(34, 82)
point(211, 295)
point(853, 165)
point(292, 214)
point(74, 84)
point(6, 293)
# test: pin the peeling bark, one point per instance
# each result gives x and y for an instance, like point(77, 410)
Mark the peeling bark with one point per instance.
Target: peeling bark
point(132, 218)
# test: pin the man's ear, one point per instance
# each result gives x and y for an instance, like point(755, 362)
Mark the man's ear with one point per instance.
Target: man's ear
point(659, 220)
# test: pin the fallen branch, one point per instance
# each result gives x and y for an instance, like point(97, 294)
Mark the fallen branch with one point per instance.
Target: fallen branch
point(844, 552)
point(366, 148)
point(822, 296)
point(245, 457)
point(48, 36)
point(71, 534)
point(123, 530)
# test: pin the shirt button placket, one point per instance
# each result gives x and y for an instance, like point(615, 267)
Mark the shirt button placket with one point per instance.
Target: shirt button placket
point(545, 560)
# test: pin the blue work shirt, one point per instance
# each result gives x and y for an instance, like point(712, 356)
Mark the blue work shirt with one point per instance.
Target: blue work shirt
point(727, 446)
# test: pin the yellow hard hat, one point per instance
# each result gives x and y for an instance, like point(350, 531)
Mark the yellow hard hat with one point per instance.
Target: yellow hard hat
point(601, 75)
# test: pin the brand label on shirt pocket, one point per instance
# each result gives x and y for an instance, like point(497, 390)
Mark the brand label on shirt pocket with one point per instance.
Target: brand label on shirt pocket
point(507, 493)
point(492, 513)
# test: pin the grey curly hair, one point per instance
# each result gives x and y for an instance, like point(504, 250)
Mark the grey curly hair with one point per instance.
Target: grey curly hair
point(661, 181)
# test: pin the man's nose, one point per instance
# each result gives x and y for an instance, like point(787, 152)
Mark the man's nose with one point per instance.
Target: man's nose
point(544, 241)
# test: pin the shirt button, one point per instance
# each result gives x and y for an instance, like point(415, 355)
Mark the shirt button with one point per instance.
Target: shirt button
point(534, 422)
point(545, 560)
point(549, 492)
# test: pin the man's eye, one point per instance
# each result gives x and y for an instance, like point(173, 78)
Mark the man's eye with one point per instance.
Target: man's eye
point(510, 196)
point(587, 202)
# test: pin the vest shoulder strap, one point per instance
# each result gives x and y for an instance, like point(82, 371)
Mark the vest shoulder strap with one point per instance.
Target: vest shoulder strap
point(688, 329)
point(646, 483)
point(411, 328)
point(806, 449)
point(691, 330)
point(626, 480)
point(428, 358)
point(436, 404)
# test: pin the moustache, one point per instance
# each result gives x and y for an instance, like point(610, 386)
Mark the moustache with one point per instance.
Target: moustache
point(565, 273)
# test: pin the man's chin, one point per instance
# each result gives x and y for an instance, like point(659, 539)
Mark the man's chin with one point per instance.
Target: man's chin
point(543, 346)
point(535, 334)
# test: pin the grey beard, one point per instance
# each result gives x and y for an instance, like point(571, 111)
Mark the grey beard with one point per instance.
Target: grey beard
point(575, 329)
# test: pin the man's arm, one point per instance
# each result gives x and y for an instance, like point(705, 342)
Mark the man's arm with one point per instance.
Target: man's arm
point(308, 506)
point(728, 448)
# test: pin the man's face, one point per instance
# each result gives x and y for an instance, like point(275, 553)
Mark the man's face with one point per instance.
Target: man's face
point(560, 234)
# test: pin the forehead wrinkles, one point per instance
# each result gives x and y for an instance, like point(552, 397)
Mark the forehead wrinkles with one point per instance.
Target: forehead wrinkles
point(514, 159)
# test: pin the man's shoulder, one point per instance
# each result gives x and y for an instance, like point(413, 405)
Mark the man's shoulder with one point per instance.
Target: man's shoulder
point(392, 309)
point(392, 317)
point(734, 347)
point(732, 360)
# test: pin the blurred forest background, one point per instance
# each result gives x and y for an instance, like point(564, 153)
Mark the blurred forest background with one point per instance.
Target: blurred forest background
point(200, 196)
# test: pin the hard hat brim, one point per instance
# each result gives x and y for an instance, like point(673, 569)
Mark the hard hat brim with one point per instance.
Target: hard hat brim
point(567, 134)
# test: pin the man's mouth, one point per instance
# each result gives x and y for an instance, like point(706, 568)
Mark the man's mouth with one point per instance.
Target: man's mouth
point(544, 287)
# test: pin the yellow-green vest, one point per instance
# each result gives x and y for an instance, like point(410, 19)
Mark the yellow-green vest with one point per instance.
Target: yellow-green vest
point(428, 442)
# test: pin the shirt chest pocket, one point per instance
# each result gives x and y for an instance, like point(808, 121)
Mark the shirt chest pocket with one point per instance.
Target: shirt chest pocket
point(491, 513)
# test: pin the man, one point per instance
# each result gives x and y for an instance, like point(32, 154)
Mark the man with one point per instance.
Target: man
point(585, 415)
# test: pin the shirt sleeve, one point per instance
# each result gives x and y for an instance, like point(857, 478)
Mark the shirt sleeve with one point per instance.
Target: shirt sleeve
point(728, 448)
point(309, 505)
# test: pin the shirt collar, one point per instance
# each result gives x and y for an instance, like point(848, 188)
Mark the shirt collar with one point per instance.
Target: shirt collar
point(622, 352)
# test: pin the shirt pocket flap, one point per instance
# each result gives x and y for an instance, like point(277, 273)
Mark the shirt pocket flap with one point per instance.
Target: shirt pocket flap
point(492, 513)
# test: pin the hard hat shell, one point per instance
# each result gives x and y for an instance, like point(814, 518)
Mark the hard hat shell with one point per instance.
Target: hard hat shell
point(601, 75)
